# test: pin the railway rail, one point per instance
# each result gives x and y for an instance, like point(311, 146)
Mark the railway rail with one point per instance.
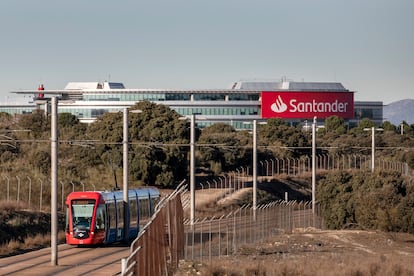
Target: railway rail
point(73, 260)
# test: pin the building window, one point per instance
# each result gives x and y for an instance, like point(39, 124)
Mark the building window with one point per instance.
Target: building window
point(209, 97)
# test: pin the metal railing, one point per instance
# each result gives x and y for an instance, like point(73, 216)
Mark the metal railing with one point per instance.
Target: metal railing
point(160, 244)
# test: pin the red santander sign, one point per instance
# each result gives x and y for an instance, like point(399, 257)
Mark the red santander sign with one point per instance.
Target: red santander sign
point(306, 105)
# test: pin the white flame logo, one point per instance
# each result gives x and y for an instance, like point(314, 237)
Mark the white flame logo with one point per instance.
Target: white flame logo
point(279, 106)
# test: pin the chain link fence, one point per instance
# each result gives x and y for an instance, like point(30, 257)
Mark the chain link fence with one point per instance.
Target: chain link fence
point(35, 192)
point(296, 167)
point(222, 236)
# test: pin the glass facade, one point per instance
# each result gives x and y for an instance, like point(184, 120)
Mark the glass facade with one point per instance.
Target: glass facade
point(17, 109)
point(124, 97)
point(209, 97)
point(244, 97)
point(369, 110)
point(230, 106)
point(177, 97)
point(217, 110)
point(170, 96)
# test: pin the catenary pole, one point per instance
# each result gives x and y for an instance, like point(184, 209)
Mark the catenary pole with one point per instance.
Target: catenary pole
point(373, 149)
point(54, 183)
point(254, 169)
point(314, 169)
point(192, 169)
point(125, 173)
point(373, 129)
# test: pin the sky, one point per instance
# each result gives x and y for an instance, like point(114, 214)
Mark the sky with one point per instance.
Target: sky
point(367, 45)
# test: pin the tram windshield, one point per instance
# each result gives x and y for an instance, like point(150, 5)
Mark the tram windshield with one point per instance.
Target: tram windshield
point(82, 212)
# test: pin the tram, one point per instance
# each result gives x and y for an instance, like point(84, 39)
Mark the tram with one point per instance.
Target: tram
point(98, 217)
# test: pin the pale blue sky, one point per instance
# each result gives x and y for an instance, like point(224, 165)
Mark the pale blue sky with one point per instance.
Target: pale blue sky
point(367, 45)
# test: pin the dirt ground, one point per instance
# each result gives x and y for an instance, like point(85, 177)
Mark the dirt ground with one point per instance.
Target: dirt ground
point(308, 251)
point(316, 252)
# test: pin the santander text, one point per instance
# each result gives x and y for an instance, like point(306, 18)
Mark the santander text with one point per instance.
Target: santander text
point(315, 106)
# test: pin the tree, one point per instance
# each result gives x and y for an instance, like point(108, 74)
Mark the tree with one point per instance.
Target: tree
point(372, 201)
point(279, 136)
point(41, 160)
point(67, 120)
point(37, 123)
point(387, 126)
point(335, 125)
point(364, 123)
point(410, 129)
point(222, 148)
point(158, 151)
point(6, 120)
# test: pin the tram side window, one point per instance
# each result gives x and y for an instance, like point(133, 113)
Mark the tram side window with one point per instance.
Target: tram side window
point(134, 213)
point(120, 209)
point(100, 218)
point(144, 208)
point(154, 202)
point(112, 215)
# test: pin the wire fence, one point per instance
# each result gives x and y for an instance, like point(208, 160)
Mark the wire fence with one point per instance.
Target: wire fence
point(242, 177)
point(167, 238)
point(35, 192)
point(222, 236)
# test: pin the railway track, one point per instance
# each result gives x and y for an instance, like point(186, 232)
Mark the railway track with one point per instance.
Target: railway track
point(71, 261)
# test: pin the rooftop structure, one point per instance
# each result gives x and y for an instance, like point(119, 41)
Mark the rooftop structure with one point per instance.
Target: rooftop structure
point(238, 104)
point(94, 85)
point(289, 86)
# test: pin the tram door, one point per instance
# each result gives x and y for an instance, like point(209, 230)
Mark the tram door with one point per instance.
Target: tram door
point(111, 222)
point(100, 222)
point(107, 223)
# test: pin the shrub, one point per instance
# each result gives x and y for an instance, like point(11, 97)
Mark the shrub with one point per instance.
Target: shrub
point(373, 201)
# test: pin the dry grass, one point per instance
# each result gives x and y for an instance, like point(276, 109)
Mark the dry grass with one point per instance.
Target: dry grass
point(30, 243)
point(315, 253)
point(7, 206)
point(16, 240)
point(306, 265)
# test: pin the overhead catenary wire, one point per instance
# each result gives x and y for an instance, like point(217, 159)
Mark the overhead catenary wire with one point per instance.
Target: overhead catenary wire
point(160, 144)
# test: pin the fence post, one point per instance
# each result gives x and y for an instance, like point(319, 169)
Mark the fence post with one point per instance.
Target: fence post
point(18, 188)
point(8, 187)
point(30, 189)
point(41, 191)
point(123, 266)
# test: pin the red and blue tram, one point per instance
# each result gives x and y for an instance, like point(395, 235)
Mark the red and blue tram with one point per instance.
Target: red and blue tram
point(98, 217)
